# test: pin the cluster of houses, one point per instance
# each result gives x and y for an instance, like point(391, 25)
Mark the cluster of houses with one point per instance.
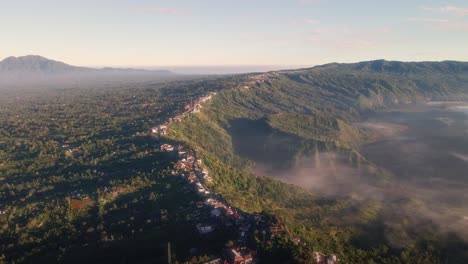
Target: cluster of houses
point(257, 79)
point(114, 191)
point(189, 167)
point(78, 196)
point(211, 212)
point(261, 78)
point(321, 258)
point(159, 131)
point(193, 107)
point(71, 151)
point(276, 228)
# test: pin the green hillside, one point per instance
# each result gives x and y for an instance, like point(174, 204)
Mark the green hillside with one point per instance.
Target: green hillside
point(279, 117)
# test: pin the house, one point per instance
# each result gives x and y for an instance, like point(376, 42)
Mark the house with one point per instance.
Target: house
point(332, 259)
point(276, 228)
point(215, 212)
point(234, 257)
point(180, 165)
point(204, 229)
point(248, 259)
point(321, 258)
point(159, 130)
point(196, 108)
point(163, 130)
point(192, 178)
point(211, 201)
point(166, 147)
point(229, 211)
point(214, 261)
point(239, 256)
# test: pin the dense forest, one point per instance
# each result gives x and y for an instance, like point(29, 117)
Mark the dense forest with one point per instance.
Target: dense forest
point(80, 173)
point(83, 179)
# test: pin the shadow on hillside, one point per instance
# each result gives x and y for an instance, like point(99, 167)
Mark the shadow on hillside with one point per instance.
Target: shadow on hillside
point(256, 140)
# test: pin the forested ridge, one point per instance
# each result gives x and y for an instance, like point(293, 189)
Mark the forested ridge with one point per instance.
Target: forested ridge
point(279, 117)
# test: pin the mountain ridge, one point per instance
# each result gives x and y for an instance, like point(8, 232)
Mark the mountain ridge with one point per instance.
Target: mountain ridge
point(394, 67)
point(33, 71)
point(42, 65)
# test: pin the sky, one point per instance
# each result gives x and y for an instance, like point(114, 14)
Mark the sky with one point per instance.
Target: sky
point(175, 33)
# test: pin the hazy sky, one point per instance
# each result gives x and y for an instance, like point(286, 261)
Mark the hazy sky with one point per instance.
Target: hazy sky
point(233, 32)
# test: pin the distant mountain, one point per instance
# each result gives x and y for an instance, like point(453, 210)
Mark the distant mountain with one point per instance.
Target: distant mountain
point(36, 64)
point(401, 68)
point(36, 71)
point(33, 64)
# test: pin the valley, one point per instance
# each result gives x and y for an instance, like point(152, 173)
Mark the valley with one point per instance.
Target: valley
point(311, 128)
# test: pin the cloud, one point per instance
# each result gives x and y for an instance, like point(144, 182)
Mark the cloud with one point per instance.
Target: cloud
point(462, 27)
point(460, 156)
point(305, 21)
point(410, 206)
point(427, 19)
point(157, 10)
point(358, 44)
point(346, 38)
point(453, 10)
point(321, 31)
point(265, 39)
point(310, 1)
point(345, 44)
point(349, 31)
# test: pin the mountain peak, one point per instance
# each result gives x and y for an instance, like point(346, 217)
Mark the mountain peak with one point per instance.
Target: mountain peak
point(34, 63)
point(35, 69)
point(27, 58)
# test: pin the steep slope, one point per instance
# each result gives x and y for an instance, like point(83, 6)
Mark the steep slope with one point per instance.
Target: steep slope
point(317, 106)
point(277, 119)
point(404, 68)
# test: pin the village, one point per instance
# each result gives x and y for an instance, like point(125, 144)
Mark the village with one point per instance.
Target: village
point(193, 107)
point(212, 212)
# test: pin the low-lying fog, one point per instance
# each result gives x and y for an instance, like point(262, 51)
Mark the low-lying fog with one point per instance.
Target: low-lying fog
point(425, 149)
